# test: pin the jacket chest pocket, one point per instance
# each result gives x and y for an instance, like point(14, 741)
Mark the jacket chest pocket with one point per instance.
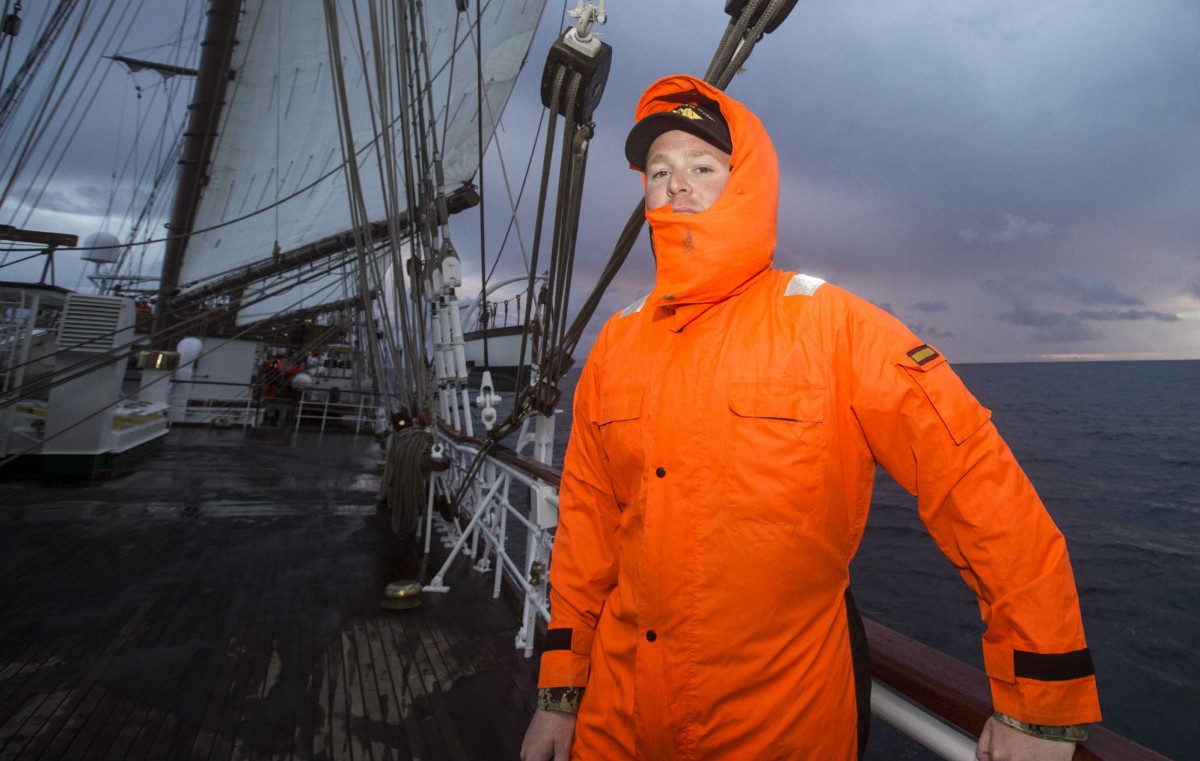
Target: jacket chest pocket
point(622, 439)
point(778, 450)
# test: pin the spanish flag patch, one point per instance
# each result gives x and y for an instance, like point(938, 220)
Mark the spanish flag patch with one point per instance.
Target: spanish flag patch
point(923, 355)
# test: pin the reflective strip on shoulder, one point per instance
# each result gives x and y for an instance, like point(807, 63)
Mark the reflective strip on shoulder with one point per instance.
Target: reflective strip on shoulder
point(803, 285)
point(635, 307)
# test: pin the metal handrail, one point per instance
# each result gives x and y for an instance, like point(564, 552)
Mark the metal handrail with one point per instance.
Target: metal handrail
point(916, 721)
point(366, 404)
point(489, 521)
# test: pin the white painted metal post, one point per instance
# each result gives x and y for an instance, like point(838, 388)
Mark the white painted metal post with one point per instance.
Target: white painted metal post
point(502, 544)
point(458, 352)
point(438, 582)
point(433, 479)
point(543, 439)
point(466, 408)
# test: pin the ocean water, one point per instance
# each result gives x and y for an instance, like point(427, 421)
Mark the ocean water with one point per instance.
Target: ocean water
point(1113, 448)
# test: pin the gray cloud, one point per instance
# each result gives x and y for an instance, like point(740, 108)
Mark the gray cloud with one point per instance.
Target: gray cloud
point(1052, 327)
point(1014, 228)
point(1109, 315)
point(1194, 287)
point(1090, 291)
point(930, 306)
point(85, 199)
point(1083, 290)
point(929, 332)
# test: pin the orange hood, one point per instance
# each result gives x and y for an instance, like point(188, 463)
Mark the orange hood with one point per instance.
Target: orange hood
point(707, 257)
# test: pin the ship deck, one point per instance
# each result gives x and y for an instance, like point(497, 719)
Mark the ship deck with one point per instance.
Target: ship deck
point(223, 602)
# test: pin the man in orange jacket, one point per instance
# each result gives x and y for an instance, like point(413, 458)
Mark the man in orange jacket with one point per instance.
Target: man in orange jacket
point(716, 486)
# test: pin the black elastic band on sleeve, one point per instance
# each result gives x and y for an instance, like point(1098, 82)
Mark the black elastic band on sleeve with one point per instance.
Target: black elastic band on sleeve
point(557, 639)
point(1053, 667)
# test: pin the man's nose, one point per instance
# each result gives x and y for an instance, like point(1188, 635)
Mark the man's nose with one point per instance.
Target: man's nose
point(677, 184)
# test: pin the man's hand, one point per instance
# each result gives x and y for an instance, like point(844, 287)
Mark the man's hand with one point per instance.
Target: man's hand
point(549, 736)
point(1003, 743)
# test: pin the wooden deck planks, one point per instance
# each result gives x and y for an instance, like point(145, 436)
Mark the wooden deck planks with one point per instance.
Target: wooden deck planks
point(175, 629)
point(392, 640)
point(91, 698)
point(195, 632)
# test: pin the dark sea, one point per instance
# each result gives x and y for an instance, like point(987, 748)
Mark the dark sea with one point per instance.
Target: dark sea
point(1114, 451)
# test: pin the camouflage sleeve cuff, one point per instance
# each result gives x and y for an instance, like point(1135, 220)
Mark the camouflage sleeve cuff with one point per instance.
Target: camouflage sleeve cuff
point(1069, 733)
point(562, 699)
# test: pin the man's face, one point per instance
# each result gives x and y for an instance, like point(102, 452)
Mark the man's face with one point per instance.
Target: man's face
point(684, 171)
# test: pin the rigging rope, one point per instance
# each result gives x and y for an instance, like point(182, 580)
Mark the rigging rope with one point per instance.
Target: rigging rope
point(358, 212)
point(754, 19)
point(749, 21)
point(572, 84)
point(479, 139)
point(120, 25)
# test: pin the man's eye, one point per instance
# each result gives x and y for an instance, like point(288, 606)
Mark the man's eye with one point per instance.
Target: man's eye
point(657, 174)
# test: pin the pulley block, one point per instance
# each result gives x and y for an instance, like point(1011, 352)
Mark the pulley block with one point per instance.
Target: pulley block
point(592, 59)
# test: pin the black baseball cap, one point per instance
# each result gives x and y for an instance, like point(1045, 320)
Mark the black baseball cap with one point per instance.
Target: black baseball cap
point(703, 121)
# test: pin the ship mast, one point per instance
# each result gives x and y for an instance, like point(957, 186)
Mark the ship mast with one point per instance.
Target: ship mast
point(214, 75)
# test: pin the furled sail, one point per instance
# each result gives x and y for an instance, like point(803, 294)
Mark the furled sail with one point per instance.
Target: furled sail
point(277, 182)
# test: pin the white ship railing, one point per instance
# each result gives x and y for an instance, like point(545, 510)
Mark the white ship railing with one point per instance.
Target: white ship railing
point(229, 404)
point(215, 403)
point(320, 406)
point(945, 740)
point(490, 515)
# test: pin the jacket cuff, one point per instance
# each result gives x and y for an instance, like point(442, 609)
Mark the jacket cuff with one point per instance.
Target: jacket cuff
point(1044, 690)
point(561, 699)
point(566, 658)
point(1068, 733)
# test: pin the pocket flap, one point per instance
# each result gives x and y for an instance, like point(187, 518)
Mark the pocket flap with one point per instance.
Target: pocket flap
point(620, 405)
point(780, 401)
point(960, 412)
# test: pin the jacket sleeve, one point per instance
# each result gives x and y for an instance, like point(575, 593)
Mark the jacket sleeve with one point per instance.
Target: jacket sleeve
point(583, 568)
point(939, 443)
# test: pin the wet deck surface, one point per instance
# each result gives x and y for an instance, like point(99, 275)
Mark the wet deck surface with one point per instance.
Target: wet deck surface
point(223, 602)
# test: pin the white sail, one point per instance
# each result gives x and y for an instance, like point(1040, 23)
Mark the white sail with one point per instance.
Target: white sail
point(277, 181)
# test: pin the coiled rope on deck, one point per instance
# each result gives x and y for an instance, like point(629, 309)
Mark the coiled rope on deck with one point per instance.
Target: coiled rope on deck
point(403, 486)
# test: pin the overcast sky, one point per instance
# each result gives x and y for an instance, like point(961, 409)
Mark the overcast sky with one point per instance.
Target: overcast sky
point(1016, 180)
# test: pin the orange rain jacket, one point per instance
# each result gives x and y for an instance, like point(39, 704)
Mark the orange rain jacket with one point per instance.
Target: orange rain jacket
point(717, 482)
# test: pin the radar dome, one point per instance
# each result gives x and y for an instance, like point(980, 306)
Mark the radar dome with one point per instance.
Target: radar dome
point(302, 381)
point(102, 248)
